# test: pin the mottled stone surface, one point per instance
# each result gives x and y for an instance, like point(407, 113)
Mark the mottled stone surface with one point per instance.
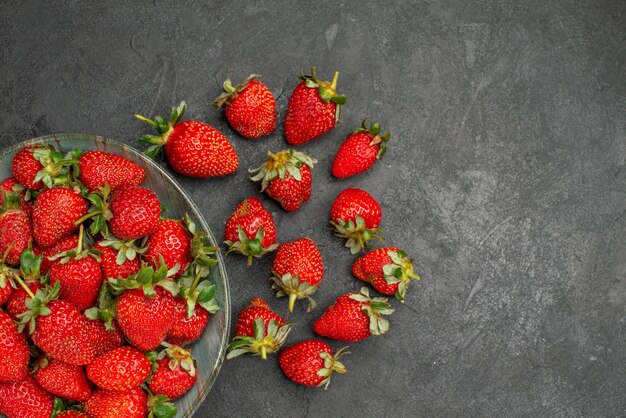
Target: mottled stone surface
point(505, 179)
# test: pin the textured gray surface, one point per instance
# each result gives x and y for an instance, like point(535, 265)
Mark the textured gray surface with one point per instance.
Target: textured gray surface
point(505, 179)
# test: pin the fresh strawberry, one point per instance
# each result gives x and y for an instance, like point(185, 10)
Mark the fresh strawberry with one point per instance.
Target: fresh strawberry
point(119, 370)
point(250, 107)
point(14, 351)
point(117, 258)
point(355, 215)
point(250, 230)
point(360, 150)
point(29, 271)
point(310, 362)
point(314, 109)
point(192, 148)
point(175, 372)
point(16, 305)
point(186, 329)
point(103, 339)
point(38, 165)
point(25, 399)
point(259, 331)
point(298, 271)
point(10, 185)
point(15, 230)
point(62, 246)
point(354, 317)
point(388, 270)
point(99, 167)
point(55, 214)
point(106, 404)
point(286, 178)
point(135, 212)
point(25, 167)
point(172, 242)
point(6, 288)
point(62, 379)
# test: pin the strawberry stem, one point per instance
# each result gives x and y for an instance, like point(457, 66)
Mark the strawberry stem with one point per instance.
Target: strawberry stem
point(333, 84)
point(79, 246)
point(264, 352)
point(87, 216)
point(196, 280)
point(26, 288)
point(292, 301)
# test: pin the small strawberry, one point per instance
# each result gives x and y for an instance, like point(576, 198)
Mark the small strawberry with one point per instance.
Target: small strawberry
point(38, 165)
point(355, 215)
point(192, 148)
point(55, 214)
point(15, 230)
point(259, 331)
point(6, 286)
point(298, 271)
point(25, 399)
point(62, 246)
point(388, 270)
point(99, 167)
point(354, 317)
point(250, 107)
point(14, 351)
point(286, 178)
point(25, 167)
point(103, 339)
point(120, 369)
point(10, 185)
point(16, 305)
point(106, 404)
point(29, 270)
point(186, 329)
point(62, 379)
point(250, 230)
point(310, 362)
point(175, 372)
point(314, 109)
point(118, 259)
point(172, 242)
point(360, 150)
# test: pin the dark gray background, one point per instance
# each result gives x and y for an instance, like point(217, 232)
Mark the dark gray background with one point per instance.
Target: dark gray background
point(505, 179)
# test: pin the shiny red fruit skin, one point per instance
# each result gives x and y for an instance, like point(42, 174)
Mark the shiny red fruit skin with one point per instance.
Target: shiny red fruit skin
point(106, 404)
point(253, 112)
point(99, 167)
point(7, 185)
point(344, 320)
point(186, 330)
point(109, 266)
point(301, 362)
point(250, 214)
point(62, 246)
point(54, 214)
point(136, 212)
point(15, 235)
point(102, 339)
point(291, 193)
point(172, 383)
point(25, 167)
point(171, 241)
point(307, 115)
point(16, 303)
point(64, 380)
point(369, 268)
point(351, 203)
point(25, 399)
point(119, 370)
point(355, 155)
point(14, 351)
point(5, 293)
point(80, 281)
point(258, 309)
point(301, 258)
point(195, 149)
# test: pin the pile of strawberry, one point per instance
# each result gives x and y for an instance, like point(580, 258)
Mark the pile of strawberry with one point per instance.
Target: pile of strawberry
point(99, 294)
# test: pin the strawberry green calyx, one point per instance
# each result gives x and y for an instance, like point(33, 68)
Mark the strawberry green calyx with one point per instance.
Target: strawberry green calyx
point(377, 139)
point(36, 304)
point(250, 247)
point(281, 163)
point(231, 92)
point(163, 127)
point(126, 250)
point(400, 271)
point(178, 358)
point(30, 265)
point(11, 200)
point(160, 406)
point(195, 287)
point(146, 278)
point(331, 364)
point(202, 253)
point(105, 308)
point(79, 252)
point(374, 308)
point(327, 91)
point(356, 233)
point(296, 289)
point(266, 340)
point(99, 211)
point(58, 169)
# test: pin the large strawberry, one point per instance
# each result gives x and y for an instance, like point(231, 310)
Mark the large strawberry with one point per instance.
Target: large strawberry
point(259, 331)
point(10, 185)
point(15, 230)
point(192, 148)
point(314, 109)
point(104, 339)
point(354, 317)
point(107, 404)
point(186, 328)
point(388, 270)
point(250, 230)
point(120, 369)
point(14, 351)
point(286, 178)
point(99, 167)
point(172, 242)
point(37, 165)
point(55, 214)
point(360, 150)
point(310, 362)
point(62, 379)
point(25, 399)
point(118, 259)
point(250, 107)
point(355, 215)
point(175, 372)
point(298, 271)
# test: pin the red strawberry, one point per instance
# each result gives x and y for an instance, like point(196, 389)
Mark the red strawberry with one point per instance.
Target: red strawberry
point(6, 288)
point(10, 185)
point(388, 269)
point(259, 331)
point(72, 414)
point(175, 373)
point(186, 329)
point(120, 369)
point(172, 242)
point(15, 234)
point(55, 214)
point(313, 110)
point(25, 167)
point(62, 379)
point(250, 230)
point(14, 351)
point(286, 178)
point(99, 167)
point(16, 305)
point(135, 212)
point(310, 363)
point(192, 148)
point(102, 339)
point(355, 215)
point(250, 107)
point(298, 271)
point(115, 259)
point(62, 246)
point(354, 317)
point(25, 399)
point(38, 165)
point(360, 151)
point(106, 404)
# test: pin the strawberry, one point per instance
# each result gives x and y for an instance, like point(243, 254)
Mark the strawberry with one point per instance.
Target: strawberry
point(106, 404)
point(61, 379)
point(55, 214)
point(118, 259)
point(10, 185)
point(37, 165)
point(360, 150)
point(250, 230)
point(104, 339)
point(175, 372)
point(298, 271)
point(16, 305)
point(15, 232)
point(99, 167)
point(259, 331)
point(25, 167)
point(120, 369)
point(172, 242)
point(6, 288)
point(14, 351)
point(135, 212)
point(250, 107)
point(355, 215)
point(62, 246)
point(286, 178)
point(25, 399)
point(314, 109)
point(310, 362)
point(186, 329)
point(354, 317)
point(388, 270)
point(192, 148)
point(29, 270)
